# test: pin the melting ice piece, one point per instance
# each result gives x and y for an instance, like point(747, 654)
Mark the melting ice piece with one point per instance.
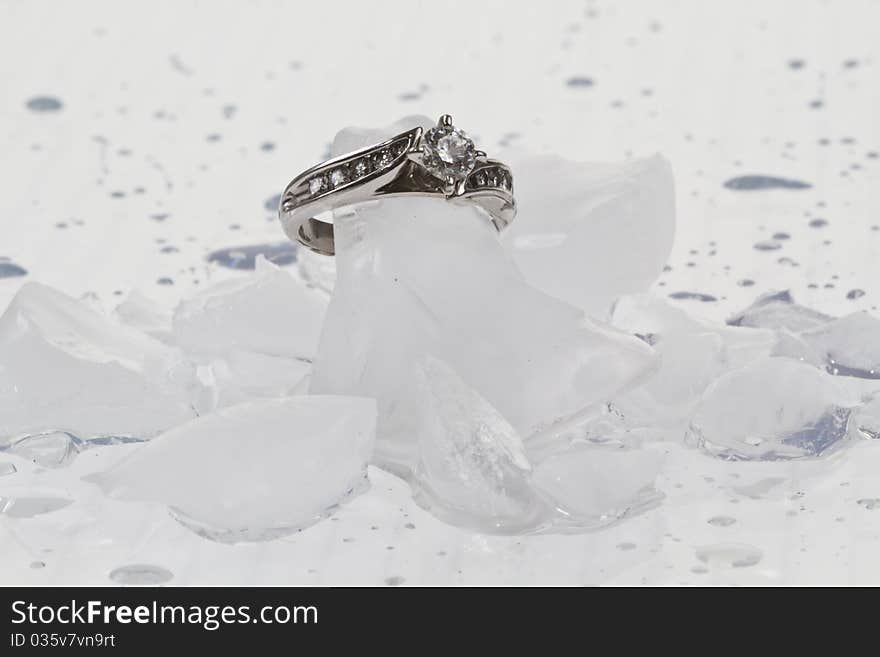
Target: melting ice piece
point(589, 233)
point(253, 471)
point(64, 367)
point(774, 408)
point(593, 486)
point(419, 277)
point(693, 353)
point(268, 312)
point(472, 469)
point(777, 310)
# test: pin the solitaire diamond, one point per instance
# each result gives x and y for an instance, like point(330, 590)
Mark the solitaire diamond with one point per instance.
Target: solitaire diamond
point(449, 152)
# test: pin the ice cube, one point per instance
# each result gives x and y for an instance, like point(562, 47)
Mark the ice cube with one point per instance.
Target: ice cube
point(472, 469)
point(588, 233)
point(253, 471)
point(64, 367)
point(774, 408)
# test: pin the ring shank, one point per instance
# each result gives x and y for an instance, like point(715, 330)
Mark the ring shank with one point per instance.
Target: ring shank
point(318, 235)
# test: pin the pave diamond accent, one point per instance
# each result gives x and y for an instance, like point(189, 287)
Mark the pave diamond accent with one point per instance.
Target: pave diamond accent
point(491, 178)
point(449, 152)
point(361, 167)
point(358, 167)
point(338, 176)
point(317, 185)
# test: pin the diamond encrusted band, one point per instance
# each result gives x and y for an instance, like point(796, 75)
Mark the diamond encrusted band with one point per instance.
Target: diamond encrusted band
point(440, 162)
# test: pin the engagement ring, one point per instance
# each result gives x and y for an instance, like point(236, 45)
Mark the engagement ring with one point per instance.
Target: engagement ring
point(441, 162)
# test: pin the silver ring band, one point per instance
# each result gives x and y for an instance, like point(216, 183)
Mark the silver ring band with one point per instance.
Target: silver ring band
point(441, 162)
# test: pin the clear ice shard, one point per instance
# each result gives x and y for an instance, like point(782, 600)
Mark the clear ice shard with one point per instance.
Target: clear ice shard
point(268, 312)
point(253, 336)
point(774, 408)
point(472, 469)
point(146, 315)
point(849, 346)
point(588, 233)
point(475, 471)
point(416, 277)
point(253, 471)
point(845, 346)
point(51, 449)
point(64, 367)
point(778, 310)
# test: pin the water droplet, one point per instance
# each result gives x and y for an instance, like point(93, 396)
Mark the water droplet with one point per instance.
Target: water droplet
point(855, 294)
point(721, 521)
point(695, 296)
point(244, 257)
point(271, 204)
point(580, 82)
point(767, 245)
point(141, 575)
point(870, 503)
point(44, 104)
point(759, 182)
point(729, 555)
point(396, 580)
point(11, 270)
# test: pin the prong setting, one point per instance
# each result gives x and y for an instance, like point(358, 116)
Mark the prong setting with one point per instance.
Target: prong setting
point(448, 153)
